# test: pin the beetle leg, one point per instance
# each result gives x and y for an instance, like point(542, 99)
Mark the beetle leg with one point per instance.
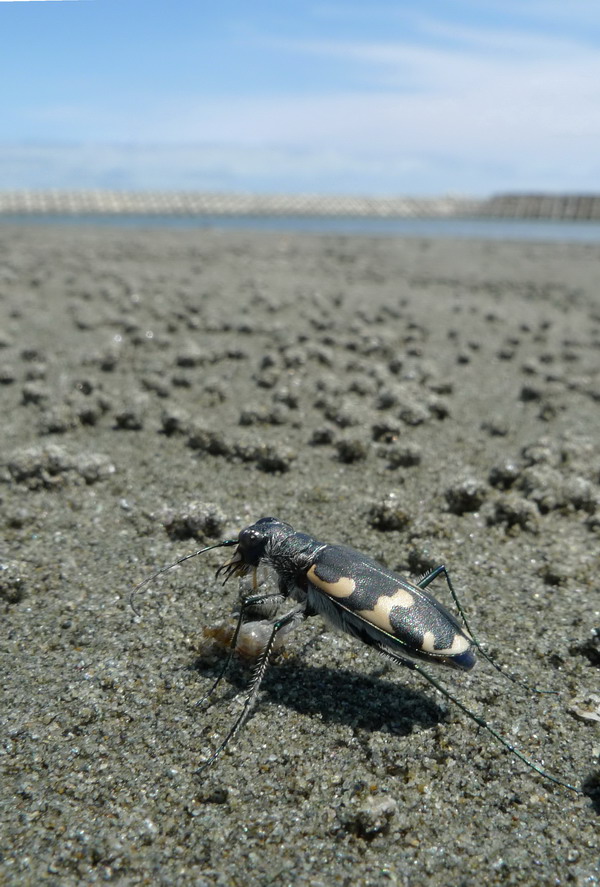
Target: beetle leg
point(248, 602)
point(259, 672)
point(441, 570)
point(476, 718)
point(497, 736)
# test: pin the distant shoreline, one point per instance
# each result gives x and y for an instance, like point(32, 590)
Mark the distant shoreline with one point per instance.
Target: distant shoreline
point(454, 227)
point(560, 207)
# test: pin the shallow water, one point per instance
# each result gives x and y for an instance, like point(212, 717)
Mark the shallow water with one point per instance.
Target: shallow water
point(486, 229)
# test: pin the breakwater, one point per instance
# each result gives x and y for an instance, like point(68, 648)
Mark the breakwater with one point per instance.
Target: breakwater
point(192, 203)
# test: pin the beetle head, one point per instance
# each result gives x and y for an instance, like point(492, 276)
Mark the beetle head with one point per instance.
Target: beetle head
point(255, 543)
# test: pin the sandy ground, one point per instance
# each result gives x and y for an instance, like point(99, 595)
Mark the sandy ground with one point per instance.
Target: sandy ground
point(424, 401)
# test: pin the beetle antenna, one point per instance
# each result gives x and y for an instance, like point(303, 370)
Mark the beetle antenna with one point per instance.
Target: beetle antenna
point(140, 585)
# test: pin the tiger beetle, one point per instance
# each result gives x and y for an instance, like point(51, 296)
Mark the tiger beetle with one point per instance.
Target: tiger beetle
point(354, 593)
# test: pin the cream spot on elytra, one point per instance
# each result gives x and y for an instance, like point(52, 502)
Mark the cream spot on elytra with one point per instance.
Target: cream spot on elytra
point(342, 587)
point(459, 645)
point(380, 614)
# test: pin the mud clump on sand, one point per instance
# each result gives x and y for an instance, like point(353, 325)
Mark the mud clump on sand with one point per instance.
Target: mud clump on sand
point(425, 401)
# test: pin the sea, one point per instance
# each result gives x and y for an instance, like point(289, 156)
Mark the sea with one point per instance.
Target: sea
point(464, 228)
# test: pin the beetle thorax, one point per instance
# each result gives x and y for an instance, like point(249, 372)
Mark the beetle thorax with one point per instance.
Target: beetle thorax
point(291, 556)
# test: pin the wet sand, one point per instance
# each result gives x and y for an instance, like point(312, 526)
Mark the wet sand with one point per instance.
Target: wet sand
point(424, 401)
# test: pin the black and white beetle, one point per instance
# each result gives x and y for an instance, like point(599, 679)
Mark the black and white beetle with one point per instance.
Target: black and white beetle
point(354, 593)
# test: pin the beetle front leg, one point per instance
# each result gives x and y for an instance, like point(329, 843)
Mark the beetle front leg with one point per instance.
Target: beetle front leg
point(292, 618)
point(249, 602)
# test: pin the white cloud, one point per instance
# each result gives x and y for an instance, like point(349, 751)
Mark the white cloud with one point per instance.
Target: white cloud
point(279, 169)
point(203, 167)
point(464, 109)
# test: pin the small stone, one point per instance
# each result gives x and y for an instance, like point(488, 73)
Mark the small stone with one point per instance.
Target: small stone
point(92, 467)
point(130, 418)
point(497, 426)
point(108, 359)
point(50, 466)
point(514, 511)
point(267, 378)
point(29, 355)
point(174, 420)
point(388, 397)
point(505, 353)
point(438, 407)
point(35, 372)
point(89, 410)
point(556, 572)
point(369, 817)
point(504, 474)
point(7, 374)
point(530, 393)
point(156, 383)
point(344, 415)
point(13, 582)
point(191, 355)
point(412, 411)
point(586, 707)
point(403, 455)
point(351, 449)
point(544, 486)
point(208, 441)
point(36, 393)
point(387, 431)
point(388, 516)
point(581, 494)
point(465, 495)
point(57, 420)
point(541, 452)
point(274, 459)
point(287, 397)
point(196, 520)
point(322, 437)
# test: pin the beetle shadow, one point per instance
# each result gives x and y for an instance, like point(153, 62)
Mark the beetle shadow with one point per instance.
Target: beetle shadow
point(338, 695)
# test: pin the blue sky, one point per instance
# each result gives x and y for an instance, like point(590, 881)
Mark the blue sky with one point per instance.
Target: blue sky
point(416, 97)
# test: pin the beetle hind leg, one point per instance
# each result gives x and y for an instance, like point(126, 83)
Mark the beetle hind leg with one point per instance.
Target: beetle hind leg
point(481, 722)
point(441, 570)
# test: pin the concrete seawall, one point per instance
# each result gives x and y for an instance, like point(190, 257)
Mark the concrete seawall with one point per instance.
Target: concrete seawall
point(578, 207)
point(186, 203)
